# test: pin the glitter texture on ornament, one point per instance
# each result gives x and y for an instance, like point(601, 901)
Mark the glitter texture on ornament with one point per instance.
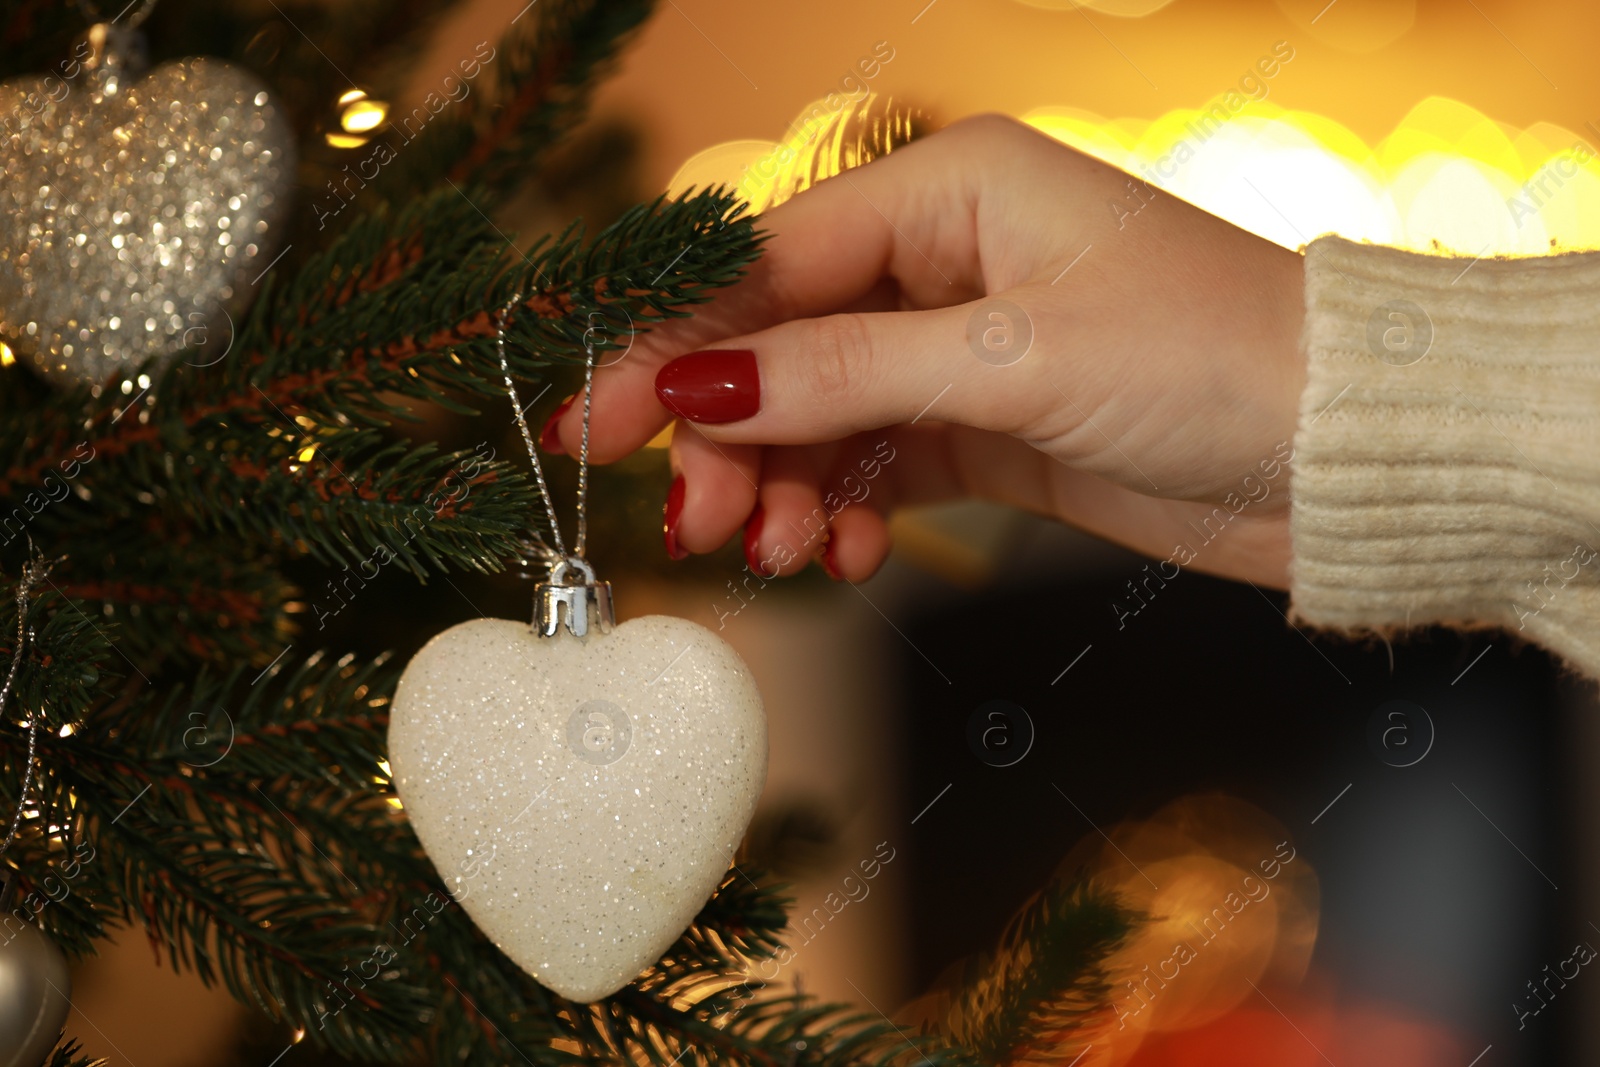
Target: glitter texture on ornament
point(581, 797)
point(140, 208)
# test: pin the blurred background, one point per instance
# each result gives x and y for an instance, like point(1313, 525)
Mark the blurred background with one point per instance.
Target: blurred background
point(1441, 789)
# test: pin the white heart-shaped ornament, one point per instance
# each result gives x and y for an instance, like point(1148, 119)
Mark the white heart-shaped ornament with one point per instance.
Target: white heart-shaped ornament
point(582, 797)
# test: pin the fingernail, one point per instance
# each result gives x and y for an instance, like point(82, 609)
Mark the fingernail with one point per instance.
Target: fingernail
point(721, 385)
point(669, 519)
point(830, 568)
point(549, 440)
point(752, 538)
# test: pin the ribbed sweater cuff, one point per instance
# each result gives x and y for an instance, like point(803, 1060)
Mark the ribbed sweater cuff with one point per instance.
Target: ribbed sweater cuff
point(1447, 460)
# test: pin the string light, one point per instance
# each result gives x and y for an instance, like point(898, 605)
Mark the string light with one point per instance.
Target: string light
point(359, 116)
point(363, 116)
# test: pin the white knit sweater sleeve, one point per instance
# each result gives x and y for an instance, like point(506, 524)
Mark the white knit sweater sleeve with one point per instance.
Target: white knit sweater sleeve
point(1447, 460)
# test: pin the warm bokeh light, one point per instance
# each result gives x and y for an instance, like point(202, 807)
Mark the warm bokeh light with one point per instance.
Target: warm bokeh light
point(662, 439)
point(831, 134)
point(1309, 1027)
point(1125, 8)
point(1360, 26)
point(1231, 905)
point(1447, 179)
point(362, 116)
point(721, 164)
point(359, 116)
point(7, 357)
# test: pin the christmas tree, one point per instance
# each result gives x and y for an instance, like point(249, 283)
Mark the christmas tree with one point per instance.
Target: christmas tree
point(201, 758)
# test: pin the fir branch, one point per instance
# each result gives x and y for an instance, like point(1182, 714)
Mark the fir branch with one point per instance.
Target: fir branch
point(519, 97)
point(60, 675)
point(420, 323)
point(71, 1054)
point(344, 497)
point(290, 427)
point(61, 886)
point(779, 1031)
point(411, 292)
point(698, 1005)
point(401, 305)
point(547, 71)
point(1033, 998)
point(203, 841)
point(318, 719)
point(180, 601)
point(743, 921)
point(69, 663)
point(338, 493)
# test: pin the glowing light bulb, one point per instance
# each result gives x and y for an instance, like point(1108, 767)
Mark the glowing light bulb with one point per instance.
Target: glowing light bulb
point(363, 116)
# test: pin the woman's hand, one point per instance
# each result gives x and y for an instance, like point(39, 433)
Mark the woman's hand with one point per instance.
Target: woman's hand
point(869, 361)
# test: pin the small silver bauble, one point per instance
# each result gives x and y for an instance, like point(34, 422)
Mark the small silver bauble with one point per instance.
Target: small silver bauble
point(35, 995)
point(137, 210)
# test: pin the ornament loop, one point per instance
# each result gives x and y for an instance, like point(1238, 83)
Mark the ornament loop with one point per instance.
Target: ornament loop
point(587, 600)
point(116, 54)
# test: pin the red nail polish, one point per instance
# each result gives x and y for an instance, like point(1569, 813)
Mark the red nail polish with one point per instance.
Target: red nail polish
point(720, 385)
point(669, 519)
point(829, 567)
point(549, 440)
point(752, 538)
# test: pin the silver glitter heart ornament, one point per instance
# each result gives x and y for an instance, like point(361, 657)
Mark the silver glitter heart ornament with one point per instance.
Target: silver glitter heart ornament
point(136, 210)
point(581, 797)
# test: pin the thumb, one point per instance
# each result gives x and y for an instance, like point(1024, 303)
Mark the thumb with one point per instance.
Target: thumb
point(821, 379)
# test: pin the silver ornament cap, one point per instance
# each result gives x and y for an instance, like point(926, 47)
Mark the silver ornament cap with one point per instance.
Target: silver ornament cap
point(35, 991)
point(573, 598)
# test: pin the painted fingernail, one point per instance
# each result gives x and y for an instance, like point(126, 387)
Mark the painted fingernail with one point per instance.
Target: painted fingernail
point(549, 440)
point(752, 539)
point(720, 385)
point(669, 519)
point(829, 567)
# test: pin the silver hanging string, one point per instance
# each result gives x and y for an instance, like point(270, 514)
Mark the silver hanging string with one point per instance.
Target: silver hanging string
point(34, 570)
point(583, 447)
point(558, 553)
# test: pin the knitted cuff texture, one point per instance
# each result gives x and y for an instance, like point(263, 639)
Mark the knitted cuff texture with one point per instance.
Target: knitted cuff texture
point(1447, 459)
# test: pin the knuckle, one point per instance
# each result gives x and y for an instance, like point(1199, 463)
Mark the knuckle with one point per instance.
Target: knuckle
point(841, 352)
point(992, 124)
